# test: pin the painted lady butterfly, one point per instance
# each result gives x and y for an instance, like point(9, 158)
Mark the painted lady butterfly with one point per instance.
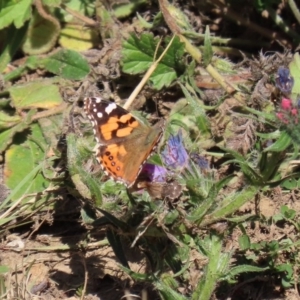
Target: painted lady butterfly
point(123, 142)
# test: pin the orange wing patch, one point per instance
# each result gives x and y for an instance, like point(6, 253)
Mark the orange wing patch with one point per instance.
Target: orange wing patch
point(111, 159)
point(107, 129)
point(124, 132)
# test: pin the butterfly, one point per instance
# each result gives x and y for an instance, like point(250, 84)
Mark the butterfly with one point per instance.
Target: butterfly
point(123, 142)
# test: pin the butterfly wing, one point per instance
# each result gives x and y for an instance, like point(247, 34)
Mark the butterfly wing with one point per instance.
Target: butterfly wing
point(124, 143)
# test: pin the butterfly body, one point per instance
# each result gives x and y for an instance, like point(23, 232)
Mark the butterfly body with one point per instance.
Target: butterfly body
point(123, 142)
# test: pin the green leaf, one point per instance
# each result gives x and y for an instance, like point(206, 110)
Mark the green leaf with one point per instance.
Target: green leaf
point(178, 16)
point(143, 22)
point(52, 3)
point(7, 121)
point(38, 94)
point(42, 35)
point(207, 51)
point(21, 158)
point(13, 214)
point(217, 263)
point(139, 53)
point(12, 41)
point(73, 37)
point(291, 183)
point(115, 242)
point(168, 293)
point(88, 214)
point(235, 154)
point(171, 217)
point(124, 9)
point(230, 204)
point(85, 183)
point(281, 144)
point(14, 12)
point(294, 67)
point(137, 276)
point(244, 242)
point(287, 276)
point(248, 171)
point(4, 269)
point(7, 135)
point(287, 212)
point(269, 164)
point(245, 269)
point(113, 220)
point(205, 205)
point(67, 63)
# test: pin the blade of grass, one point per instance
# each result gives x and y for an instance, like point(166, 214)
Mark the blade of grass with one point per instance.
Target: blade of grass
point(26, 180)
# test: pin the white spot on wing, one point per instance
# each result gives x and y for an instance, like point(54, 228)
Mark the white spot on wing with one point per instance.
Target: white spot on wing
point(99, 115)
point(110, 108)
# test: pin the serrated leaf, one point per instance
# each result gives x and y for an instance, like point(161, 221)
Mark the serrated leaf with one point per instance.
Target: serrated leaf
point(67, 63)
point(21, 158)
point(14, 12)
point(41, 36)
point(74, 37)
point(139, 54)
point(38, 94)
point(207, 51)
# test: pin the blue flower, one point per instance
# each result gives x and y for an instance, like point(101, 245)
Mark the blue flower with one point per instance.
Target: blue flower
point(284, 81)
point(174, 155)
point(154, 173)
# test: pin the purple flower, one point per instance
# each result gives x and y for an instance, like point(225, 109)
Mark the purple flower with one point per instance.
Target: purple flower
point(154, 173)
point(284, 81)
point(174, 155)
